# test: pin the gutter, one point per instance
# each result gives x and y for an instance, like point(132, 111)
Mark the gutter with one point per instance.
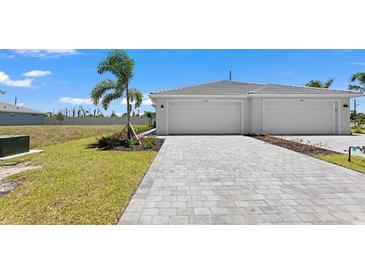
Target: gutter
point(248, 95)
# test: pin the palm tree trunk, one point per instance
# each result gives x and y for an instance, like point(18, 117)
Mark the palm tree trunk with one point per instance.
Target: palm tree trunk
point(129, 128)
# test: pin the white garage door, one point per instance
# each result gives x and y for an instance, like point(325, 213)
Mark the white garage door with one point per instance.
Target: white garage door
point(204, 118)
point(299, 117)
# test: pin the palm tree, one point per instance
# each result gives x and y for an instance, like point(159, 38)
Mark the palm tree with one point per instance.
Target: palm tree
point(360, 79)
point(121, 66)
point(2, 91)
point(150, 115)
point(319, 84)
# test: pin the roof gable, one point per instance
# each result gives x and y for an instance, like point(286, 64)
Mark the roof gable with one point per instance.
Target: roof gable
point(226, 87)
point(4, 107)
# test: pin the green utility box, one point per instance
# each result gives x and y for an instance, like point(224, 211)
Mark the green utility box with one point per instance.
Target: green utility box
point(13, 144)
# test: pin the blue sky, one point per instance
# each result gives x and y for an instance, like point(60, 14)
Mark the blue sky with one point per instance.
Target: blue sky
point(50, 80)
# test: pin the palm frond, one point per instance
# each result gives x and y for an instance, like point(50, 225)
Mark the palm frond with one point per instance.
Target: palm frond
point(110, 97)
point(356, 88)
point(118, 63)
point(150, 114)
point(2, 91)
point(314, 84)
point(136, 97)
point(360, 76)
point(100, 89)
point(328, 83)
point(360, 79)
point(319, 84)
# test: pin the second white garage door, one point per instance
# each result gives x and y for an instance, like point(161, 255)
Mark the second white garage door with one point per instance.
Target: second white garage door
point(204, 118)
point(299, 117)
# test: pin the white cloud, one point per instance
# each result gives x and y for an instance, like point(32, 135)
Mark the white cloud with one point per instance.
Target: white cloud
point(7, 56)
point(358, 63)
point(20, 104)
point(75, 101)
point(146, 101)
point(44, 53)
point(7, 81)
point(37, 73)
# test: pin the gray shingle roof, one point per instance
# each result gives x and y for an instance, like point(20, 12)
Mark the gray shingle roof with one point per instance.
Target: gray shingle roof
point(284, 89)
point(4, 107)
point(236, 88)
point(215, 88)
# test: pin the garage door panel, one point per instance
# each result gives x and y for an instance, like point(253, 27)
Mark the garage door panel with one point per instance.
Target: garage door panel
point(299, 117)
point(204, 118)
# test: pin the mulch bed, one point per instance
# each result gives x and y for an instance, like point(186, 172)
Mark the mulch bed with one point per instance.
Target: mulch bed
point(295, 146)
point(159, 143)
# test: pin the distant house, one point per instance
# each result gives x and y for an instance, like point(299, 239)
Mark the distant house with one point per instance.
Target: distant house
point(16, 115)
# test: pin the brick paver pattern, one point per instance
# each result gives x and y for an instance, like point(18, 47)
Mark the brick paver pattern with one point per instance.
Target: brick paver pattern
point(241, 180)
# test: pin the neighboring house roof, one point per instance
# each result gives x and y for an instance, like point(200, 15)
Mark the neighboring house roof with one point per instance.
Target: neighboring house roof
point(226, 87)
point(4, 107)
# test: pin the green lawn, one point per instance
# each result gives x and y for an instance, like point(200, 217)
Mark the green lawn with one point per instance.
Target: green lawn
point(76, 185)
point(357, 163)
point(43, 135)
point(361, 130)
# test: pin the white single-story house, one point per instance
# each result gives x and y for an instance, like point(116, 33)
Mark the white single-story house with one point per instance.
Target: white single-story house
point(231, 107)
point(11, 115)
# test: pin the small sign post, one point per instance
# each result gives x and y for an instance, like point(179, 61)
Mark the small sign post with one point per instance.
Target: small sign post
point(353, 149)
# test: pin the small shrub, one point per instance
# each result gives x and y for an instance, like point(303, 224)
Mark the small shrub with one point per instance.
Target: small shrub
point(149, 142)
point(109, 141)
point(130, 142)
point(59, 117)
point(143, 128)
point(359, 123)
point(356, 129)
point(114, 140)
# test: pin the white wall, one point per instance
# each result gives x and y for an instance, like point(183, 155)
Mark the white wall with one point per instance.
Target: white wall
point(161, 117)
point(205, 117)
point(253, 115)
point(256, 116)
point(162, 112)
point(247, 108)
point(344, 116)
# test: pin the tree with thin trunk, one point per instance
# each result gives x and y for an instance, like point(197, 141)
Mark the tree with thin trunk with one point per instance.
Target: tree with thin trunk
point(59, 117)
point(359, 80)
point(150, 115)
point(121, 66)
point(320, 84)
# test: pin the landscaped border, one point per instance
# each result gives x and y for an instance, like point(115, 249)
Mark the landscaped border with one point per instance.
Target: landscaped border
point(357, 163)
point(295, 146)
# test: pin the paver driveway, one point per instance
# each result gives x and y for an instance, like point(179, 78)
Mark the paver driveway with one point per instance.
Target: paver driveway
point(241, 180)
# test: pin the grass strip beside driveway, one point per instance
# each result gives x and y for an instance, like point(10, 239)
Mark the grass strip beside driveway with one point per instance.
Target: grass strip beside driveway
point(76, 185)
point(357, 163)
